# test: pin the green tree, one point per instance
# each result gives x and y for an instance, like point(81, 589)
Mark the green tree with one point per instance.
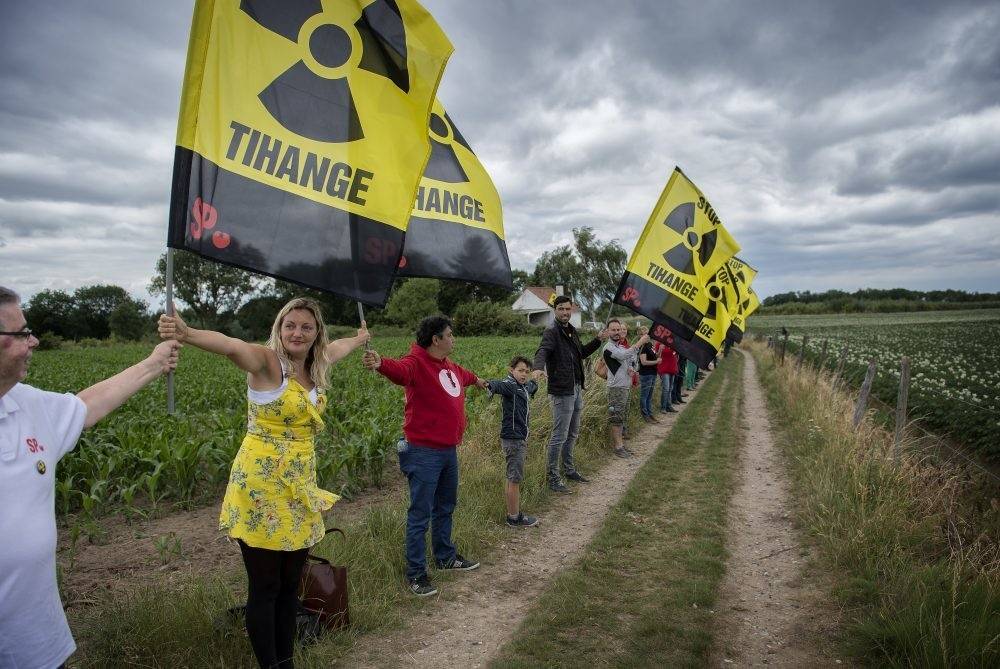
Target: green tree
point(94, 306)
point(130, 320)
point(213, 291)
point(53, 311)
point(412, 301)
point(454, 293)
point(559, 267)
point(603, 264)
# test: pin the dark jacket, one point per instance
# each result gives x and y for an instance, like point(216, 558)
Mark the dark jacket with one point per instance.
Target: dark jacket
point(561, 356)
point(514, 424)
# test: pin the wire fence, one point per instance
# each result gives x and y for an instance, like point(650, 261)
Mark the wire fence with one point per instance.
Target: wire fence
point(854, 376)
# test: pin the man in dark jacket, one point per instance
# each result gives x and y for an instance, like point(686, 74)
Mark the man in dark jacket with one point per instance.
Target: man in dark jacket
point(560, 357)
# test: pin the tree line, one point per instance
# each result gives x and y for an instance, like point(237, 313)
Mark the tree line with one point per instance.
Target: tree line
point(876, 300)
point(243, 304)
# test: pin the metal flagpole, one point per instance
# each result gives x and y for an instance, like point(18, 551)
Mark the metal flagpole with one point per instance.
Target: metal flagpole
point(169, 281)
point(361, 317)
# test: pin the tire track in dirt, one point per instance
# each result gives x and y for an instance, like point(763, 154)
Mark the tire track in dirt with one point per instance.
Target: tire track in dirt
point(772, 611)
point(477, 613)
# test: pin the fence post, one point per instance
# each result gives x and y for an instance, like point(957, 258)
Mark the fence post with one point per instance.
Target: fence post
point(866, 389)
point(840, 366)
point(822, 357)
point(802, 351)
point(901, 399)
point(784, 345)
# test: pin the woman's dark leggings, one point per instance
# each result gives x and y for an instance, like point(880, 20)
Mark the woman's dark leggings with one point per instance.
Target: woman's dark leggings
point(272, 602)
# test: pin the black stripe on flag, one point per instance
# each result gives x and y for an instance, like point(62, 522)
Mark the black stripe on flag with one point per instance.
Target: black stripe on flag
point(231, 219)
point(446, 250)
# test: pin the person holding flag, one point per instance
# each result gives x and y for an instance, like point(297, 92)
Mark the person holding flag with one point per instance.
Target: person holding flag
point(273, 505)
point(433, 426)
point(619, 358)
point(38, 428)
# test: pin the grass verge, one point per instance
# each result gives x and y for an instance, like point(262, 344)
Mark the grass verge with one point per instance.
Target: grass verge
point(180, 623)
point(642, 593)
point(920, 578)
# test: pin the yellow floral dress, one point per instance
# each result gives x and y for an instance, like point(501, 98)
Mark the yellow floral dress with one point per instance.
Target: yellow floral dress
point(272, 500)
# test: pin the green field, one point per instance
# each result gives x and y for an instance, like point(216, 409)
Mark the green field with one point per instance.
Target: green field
point(954, 362)
point(139, 457)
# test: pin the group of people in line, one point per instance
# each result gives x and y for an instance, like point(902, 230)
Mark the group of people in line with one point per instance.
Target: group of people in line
point(273, 504)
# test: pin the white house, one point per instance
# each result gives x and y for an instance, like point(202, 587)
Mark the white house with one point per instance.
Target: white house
point(534, 302)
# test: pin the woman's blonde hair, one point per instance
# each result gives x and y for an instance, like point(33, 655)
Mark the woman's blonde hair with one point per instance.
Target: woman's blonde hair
point(316, 362)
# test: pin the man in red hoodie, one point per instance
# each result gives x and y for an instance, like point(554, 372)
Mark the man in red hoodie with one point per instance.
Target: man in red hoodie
point(433, 425)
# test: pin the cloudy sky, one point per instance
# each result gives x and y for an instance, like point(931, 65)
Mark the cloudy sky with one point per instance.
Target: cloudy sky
point(845, 144)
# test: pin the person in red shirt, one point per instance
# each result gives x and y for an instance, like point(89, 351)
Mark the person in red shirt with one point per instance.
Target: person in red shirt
point(666, 371)
point(433, 425)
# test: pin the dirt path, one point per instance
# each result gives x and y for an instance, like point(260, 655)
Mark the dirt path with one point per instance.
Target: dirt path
point(771, 611)
point(478, 612)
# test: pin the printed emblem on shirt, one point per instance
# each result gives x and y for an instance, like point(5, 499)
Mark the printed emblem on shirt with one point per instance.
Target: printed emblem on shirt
point(33, 445)
point(449, 382)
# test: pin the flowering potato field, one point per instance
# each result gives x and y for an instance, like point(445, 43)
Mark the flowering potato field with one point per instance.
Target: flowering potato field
point(954, 363)
point(139, 457)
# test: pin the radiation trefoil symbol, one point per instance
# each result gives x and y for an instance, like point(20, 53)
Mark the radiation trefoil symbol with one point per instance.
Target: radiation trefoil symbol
point(313, 97)
point(443, 165)
point(716, 298)
point(692, 250)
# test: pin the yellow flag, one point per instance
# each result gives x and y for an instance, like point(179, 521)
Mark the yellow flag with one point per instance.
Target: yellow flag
point(456, 228)
point(303, 135)
point(742, 275)
point(676, 258)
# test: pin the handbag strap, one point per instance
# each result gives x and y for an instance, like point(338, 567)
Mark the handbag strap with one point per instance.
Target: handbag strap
point(315, 558)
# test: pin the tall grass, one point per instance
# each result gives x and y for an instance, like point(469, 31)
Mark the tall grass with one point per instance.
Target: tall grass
point(919, 571)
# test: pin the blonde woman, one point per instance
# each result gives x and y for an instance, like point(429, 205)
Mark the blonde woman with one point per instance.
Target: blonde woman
point(273, 504)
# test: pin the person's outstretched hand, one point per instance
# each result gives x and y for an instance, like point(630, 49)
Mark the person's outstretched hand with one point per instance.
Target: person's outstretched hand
point(371, 360)
point(172, 327)
point(165, 356)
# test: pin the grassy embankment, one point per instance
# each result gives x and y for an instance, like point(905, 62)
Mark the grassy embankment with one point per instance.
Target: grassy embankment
point(642, 593)
point(919, 570)
point(177, 624)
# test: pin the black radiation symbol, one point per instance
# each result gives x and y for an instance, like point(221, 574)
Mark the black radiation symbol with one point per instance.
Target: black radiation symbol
point(443, 165)
point(682, 256)
point(716, 296)
point(314, 104)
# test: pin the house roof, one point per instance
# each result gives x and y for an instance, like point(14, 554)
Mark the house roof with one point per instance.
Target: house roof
point(545, 293)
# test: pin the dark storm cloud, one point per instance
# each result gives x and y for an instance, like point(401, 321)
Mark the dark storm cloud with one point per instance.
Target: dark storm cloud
point(827, 135)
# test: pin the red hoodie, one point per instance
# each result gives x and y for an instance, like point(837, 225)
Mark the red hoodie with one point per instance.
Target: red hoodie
point(435, 397)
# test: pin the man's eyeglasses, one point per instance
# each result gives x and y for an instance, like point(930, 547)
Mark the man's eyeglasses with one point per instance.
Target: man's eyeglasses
point(26, 332)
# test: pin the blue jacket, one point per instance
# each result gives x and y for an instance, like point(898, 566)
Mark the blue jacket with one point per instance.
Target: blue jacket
point(516, 397)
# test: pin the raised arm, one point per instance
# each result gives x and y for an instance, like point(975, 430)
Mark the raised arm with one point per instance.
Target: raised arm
point(105, 396)
point(542, 354)
point(258, 361)
point(341, 348)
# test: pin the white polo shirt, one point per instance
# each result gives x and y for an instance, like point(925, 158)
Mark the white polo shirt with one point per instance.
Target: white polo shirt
point(36, 429)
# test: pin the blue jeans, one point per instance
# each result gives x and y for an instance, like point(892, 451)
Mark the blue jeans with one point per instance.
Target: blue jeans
point(433, 477)
point(646, 384)
point(666, 386)
point(566, 410)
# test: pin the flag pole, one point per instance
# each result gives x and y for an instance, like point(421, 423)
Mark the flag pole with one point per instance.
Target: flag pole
point(169, 281)
point(361, 318)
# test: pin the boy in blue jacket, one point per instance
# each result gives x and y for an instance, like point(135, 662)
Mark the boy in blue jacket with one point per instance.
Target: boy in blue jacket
point(516, 392)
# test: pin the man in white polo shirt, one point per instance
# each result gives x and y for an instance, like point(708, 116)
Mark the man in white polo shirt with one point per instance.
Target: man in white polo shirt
point(36, 429)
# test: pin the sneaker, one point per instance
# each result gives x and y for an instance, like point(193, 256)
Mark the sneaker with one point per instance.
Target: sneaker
point(670, 410)
point(578, 477)
point(648, 419)
point(558, 486)
point(421, 587)
point(459, 563)
point(522, 521)
point(622, 453)
point(679, 402)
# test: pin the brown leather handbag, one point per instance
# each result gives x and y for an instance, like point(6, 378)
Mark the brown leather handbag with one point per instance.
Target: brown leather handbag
point(323, 590)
